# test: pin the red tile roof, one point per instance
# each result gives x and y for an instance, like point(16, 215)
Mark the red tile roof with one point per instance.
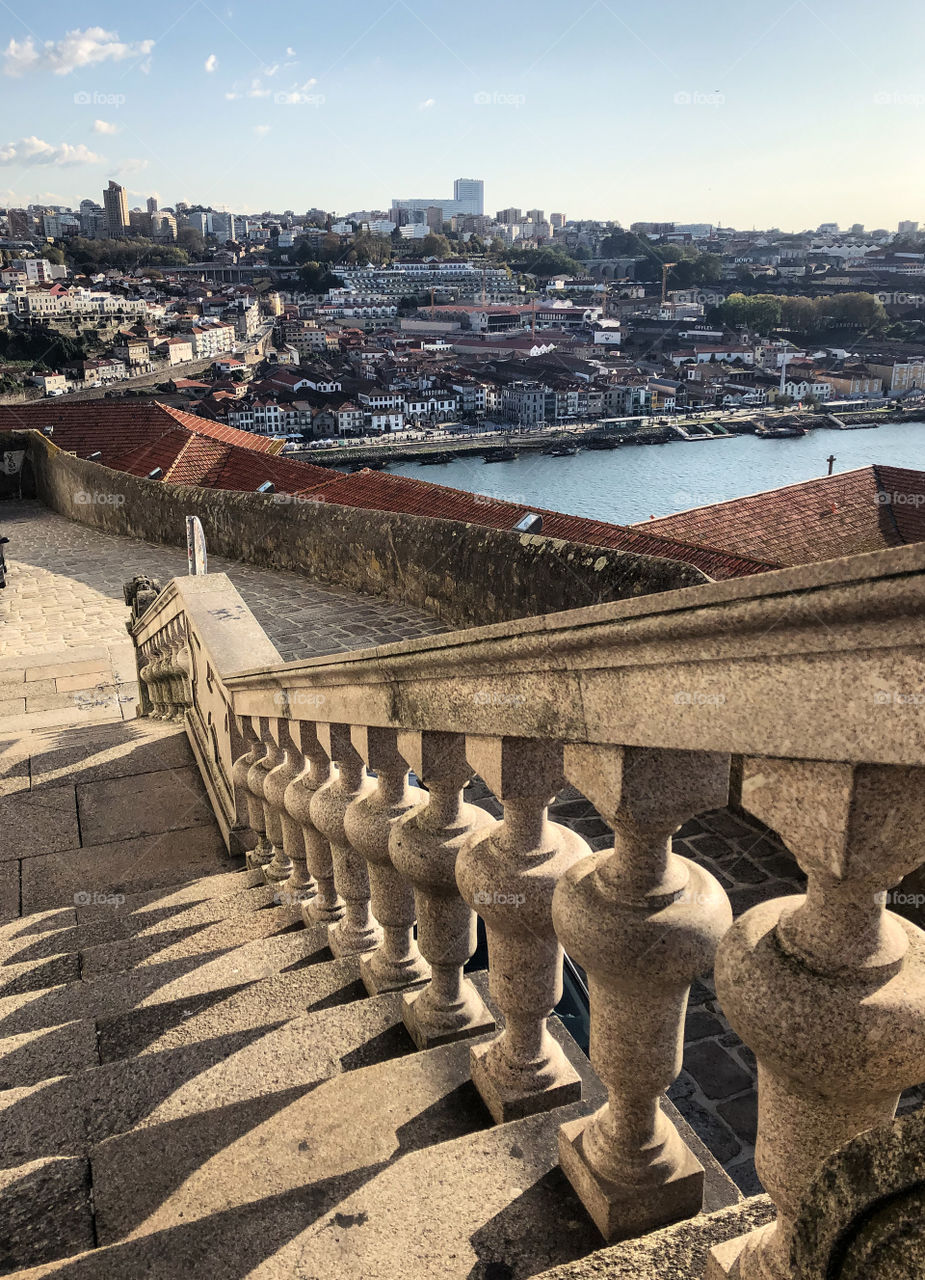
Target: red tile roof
point(864, 510)
point(379, 491)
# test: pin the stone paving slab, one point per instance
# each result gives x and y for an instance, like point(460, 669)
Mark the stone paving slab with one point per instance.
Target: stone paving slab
point(68, 579)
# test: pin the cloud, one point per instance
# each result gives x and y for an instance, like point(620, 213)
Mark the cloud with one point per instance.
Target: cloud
point(210, 63)
point(290, 53)
point(76, 49)
point(427, 104)
point(35, 151)
point(261, 130)
point(104, 126)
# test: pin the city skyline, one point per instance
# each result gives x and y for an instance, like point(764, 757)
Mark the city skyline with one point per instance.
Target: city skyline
point(738, 118)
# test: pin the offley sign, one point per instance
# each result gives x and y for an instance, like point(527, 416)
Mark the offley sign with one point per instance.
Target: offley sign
point(196, 554)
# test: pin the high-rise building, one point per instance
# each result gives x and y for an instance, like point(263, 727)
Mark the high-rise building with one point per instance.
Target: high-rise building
point(20, 224)
point(224, 225)
point(202, 222)
point(469, 192)
point(508, 216)
point(468, 197)
point(163, 225)
point(557, 221)
point(434, 215)
point(151, 204)
point(116, 206)
point(534, 215)
point(907, 228)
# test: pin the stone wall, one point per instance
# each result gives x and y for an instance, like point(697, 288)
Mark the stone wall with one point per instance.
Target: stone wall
point(465, 574)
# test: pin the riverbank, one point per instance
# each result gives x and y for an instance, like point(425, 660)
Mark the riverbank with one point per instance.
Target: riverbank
point(628, 485)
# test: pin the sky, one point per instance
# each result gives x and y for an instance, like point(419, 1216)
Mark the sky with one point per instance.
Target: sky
point(727, 111)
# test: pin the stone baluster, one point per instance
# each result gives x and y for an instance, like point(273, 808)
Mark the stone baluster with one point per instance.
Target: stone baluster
point(827, 988)
point(356, 931)
point(321, 902)
point(368, 823)
point(183, 665)
point(241, 768)
point(262, 853)
point(508, 875)
point(279, 825)
point(643, 923)
point(150, 673)
point(424, 845)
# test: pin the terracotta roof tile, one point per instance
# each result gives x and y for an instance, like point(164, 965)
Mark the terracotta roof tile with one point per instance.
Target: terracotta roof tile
point(863, 510)
point(381, 492)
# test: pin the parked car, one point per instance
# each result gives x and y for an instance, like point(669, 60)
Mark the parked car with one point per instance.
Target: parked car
point(56, 391)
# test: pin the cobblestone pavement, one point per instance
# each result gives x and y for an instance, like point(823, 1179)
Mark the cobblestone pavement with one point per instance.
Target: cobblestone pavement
point(65, 591)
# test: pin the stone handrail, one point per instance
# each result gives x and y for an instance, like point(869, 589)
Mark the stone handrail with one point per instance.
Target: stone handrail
point(812, 678)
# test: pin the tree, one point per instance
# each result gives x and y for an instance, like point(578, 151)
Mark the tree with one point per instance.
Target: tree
point(193, 242)
point(52, 254)
point(798, 314)
point(435, 246)
point(316, 278)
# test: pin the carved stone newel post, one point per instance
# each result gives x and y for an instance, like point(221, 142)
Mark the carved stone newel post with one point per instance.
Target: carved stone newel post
point(828, 989)
point(368, 824)
point(424, 846)
point(356, 931)
point(508, 876)
point(642, 922)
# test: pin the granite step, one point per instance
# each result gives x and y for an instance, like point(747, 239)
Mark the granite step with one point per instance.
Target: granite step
point(35, 1055)
point(187, 980)
point(389, 1170)
point(51, 933)
point(68, 1115)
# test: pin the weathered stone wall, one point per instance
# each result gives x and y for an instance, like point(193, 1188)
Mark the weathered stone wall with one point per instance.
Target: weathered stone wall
point(465, 574)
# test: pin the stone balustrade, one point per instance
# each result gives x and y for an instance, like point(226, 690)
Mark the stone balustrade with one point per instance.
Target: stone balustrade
point(811, 679)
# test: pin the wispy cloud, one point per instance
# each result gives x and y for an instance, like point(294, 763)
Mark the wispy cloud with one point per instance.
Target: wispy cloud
point(29, 151)
point(104, 126)
point(427, 104)
point(297, 94)
point(210, 63)
point(76, 49)
point(261, 130)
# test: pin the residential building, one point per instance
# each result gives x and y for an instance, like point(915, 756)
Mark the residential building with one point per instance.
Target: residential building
point(115, 205)
point(899, 376)
point(211, 340)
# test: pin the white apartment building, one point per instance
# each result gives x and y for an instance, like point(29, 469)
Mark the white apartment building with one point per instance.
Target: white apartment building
point(211, 341)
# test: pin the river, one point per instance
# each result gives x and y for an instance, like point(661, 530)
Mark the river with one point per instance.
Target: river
point(633, 482)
